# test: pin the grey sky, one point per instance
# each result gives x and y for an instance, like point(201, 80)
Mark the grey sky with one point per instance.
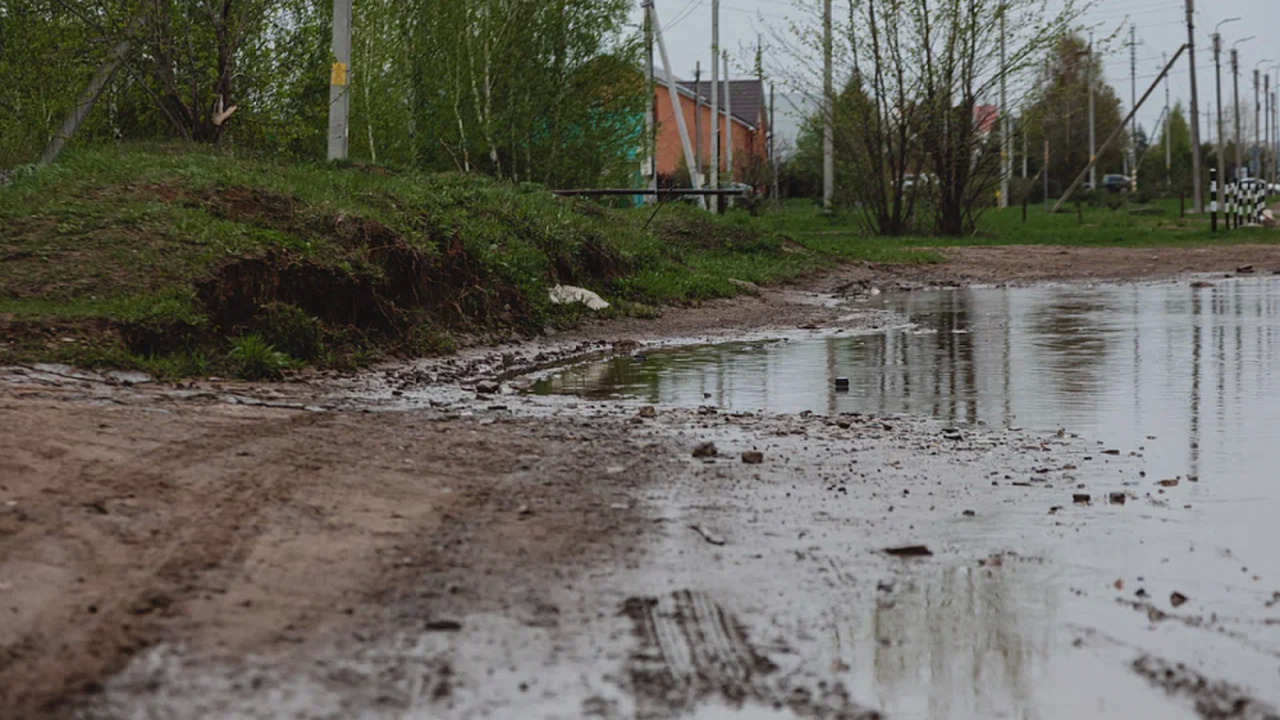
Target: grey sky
point(1161, 28)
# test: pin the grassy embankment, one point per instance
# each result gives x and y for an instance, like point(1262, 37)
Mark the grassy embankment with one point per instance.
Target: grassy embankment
point(188, 263)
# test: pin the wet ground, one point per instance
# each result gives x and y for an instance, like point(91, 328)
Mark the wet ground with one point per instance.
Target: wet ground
point(441, 553)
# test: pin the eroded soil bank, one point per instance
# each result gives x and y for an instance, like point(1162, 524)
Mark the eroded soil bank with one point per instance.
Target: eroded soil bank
point(398, 545)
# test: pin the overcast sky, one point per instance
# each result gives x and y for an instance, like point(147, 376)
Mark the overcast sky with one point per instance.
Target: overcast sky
point(1161, 27)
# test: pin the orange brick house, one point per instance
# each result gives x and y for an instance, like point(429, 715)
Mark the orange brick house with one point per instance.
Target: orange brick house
point(749, 123)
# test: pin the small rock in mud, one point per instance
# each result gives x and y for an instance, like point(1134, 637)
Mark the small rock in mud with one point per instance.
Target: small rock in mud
point(1202, 284)
point(524, 510)
point(706, 450)
point(909, 551)
point(1172, 482)
point(1118, 498)
point(1110, 452)
point(753, 457)
point(1081, 498)
point(1245, 270)
point(706, 410)
point(488, 387)
point(443, 626)
point(648, 411)
point(1177, 599)
point(969, 513)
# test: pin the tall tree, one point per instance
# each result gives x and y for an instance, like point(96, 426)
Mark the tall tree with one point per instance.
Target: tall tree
point(1059, 111)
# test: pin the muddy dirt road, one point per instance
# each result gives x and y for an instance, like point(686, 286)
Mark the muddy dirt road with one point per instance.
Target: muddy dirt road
point(400, 546)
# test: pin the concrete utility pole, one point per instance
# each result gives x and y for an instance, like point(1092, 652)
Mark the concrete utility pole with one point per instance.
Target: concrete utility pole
point(1235, 90)
point(1217, 64)
point(1258, 119)
point(1006, 159)
point(1133, 102)
point(651, 107)
point(1120, 128)
point(1168, 132)
point(828, 110)
point(697, 118)
point(1197, 185)
point(339, 98)
point(728, 124)
point(88, 98)
point(773, 148)
point(674, 94)
point(715, 98)
point(1093, 120)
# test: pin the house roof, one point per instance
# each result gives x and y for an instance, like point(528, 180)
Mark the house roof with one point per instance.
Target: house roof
point(747, 97)
point(985, 117)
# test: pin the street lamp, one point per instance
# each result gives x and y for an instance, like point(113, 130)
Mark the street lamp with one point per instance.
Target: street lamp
point(1217, 65)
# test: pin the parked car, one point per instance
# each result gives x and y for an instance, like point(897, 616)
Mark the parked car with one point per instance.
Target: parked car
point(1117, 183)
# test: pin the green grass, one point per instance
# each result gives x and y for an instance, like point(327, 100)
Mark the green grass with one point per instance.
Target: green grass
point(1097, 226)
point(186, 261)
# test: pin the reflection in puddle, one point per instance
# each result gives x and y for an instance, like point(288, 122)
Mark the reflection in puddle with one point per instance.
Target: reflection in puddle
point(1184, 373)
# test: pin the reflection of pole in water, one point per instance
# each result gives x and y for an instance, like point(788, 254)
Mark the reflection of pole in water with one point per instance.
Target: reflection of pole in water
point(1194, 470)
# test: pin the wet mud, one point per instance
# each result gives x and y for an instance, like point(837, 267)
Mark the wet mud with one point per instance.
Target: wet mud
point(431, 541)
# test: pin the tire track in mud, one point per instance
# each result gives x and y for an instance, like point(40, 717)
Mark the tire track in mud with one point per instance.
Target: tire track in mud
point(692, 650)
point(1214, 700)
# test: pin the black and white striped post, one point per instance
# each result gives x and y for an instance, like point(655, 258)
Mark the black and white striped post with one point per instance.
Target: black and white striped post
point(1213, 199)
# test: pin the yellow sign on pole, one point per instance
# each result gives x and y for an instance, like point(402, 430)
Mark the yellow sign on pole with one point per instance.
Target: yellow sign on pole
point(339, 75)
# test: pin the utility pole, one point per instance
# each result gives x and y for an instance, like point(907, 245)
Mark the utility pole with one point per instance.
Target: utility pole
point(715, 99)
point(728, 125)
point(651, 107)
point(1025, 150)
point(674, 95)
point(339, 98)
point(1168, 132)
point(1235, 85)
point(1217, 64)
point(1256, 168)
point(697, 119)
point(773, 148)
point(1093, 126)
point(828, 109)
point(1197, 185)
point(1006, 160)
point(1133, 94)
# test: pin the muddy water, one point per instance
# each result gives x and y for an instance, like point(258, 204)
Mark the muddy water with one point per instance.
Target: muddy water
point(1177, 381)
point(1184, 375)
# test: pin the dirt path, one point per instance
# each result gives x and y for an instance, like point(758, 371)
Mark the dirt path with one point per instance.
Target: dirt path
point(245, 551)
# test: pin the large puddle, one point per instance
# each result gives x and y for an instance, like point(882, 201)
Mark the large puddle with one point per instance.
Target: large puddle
point(1183, 374)
point(1177, 379)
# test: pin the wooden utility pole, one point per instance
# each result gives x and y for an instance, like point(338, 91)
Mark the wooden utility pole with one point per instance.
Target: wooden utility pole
point(339, 75)
point(1196, 182)
point(828, 111)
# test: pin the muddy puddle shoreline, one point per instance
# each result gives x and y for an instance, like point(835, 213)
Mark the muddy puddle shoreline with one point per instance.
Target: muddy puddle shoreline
point(430, 541)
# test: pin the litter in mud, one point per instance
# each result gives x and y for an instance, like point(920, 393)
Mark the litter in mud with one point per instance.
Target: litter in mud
point(909, 551)
point(714, 540)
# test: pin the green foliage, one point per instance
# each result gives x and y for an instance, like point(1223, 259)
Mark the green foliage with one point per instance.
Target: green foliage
point(543, 91)
point(1060, 111)
point(253, 358)
point(291, 329)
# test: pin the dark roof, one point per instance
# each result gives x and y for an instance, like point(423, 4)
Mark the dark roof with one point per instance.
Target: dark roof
point(747, 96)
